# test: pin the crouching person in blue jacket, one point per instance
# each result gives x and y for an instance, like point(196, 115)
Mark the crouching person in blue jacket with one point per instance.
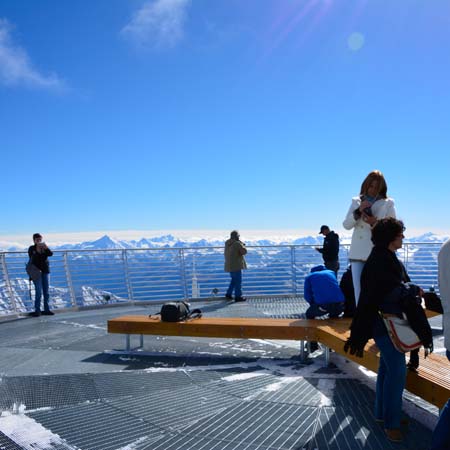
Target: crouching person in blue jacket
point(323, 293)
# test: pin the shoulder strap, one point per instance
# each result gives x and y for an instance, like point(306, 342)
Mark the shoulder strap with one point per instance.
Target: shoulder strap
point(195, 314)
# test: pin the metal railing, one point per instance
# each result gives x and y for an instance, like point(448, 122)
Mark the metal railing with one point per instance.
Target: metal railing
point(91, 277)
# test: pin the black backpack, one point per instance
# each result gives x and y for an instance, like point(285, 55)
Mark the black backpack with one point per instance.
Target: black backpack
point(177, 312)
point(433, 302)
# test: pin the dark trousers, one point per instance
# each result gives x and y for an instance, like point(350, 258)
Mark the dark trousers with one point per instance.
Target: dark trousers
point(332, 265)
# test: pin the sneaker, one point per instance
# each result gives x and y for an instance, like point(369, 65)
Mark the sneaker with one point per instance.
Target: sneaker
point(394, 434)
point(240, 299)
point(35, 314)
point(48, 313)
point(229, 297)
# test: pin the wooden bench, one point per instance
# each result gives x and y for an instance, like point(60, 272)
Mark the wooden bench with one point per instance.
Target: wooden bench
point(431, 382)
point(216, 327)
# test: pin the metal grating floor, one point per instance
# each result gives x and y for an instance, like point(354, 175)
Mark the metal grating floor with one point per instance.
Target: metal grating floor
point(196, 394)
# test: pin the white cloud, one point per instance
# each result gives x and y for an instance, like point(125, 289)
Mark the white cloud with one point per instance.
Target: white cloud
point(15, 65)
point(158, 24)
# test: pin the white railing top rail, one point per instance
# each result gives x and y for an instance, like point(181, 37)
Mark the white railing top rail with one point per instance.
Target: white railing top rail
point(206, 247)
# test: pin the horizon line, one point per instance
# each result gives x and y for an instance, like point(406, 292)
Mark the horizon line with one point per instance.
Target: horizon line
point(72, 237)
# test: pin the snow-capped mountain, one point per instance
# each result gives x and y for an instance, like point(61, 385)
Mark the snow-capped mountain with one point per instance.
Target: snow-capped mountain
point(171, 241)
point(429, 237)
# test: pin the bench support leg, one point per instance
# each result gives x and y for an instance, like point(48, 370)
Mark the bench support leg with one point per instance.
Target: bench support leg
point(327, 356)
point(304, 350)
point(128, 342)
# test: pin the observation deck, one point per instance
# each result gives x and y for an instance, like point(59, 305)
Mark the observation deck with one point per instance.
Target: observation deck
point(66, 385)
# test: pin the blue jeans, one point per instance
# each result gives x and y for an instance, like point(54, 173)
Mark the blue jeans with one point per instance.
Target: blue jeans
point(235, 284)
point(390, 383)
point(441, 434)
point(41, 287)
point(333, 309)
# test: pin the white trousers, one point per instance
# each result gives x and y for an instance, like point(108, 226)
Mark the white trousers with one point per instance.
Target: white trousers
point(357, 267)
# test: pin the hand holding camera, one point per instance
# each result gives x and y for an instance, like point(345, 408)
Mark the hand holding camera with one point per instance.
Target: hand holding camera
point(366, 206)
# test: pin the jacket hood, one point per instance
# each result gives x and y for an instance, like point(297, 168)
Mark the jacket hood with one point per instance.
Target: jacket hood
point(318, 268)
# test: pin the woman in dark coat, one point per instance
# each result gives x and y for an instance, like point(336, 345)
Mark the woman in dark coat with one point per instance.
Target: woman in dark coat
point(382, 280)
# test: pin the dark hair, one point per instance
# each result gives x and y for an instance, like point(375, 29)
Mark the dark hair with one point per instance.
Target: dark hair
point(234, 234)
point(36, 235)
point(375, 175)
point(386, 230)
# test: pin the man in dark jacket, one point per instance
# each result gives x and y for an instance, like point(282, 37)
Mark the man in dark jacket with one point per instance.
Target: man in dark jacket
point(38, 254)
point(330, 249)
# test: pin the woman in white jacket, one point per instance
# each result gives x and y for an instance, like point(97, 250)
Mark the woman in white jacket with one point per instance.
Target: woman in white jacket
point(371, 204)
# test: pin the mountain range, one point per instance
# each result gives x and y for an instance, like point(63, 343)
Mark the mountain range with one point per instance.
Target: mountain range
point(171, 241)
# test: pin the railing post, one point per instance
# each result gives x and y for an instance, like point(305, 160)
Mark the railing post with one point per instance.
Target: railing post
point(7, 282)
point(127, 275)
point(73, 298)
point(183, 273)
point(293, 272)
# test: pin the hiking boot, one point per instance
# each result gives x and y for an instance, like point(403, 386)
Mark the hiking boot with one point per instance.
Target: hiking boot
point(48, 313)
point(35, 314)
point(229, 297)
point(240, 299)
point(394, 434)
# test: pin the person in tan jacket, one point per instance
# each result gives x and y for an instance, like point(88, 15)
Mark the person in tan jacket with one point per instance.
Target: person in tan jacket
point(234, 264)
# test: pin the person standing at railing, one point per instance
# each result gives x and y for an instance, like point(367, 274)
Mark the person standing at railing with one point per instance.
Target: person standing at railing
point(234, 264)
point(441, 434)
point(38, 254)
point(370, 205)
point(330, 249)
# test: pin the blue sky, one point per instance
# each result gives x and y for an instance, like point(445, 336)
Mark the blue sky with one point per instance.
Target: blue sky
point(200, 114)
